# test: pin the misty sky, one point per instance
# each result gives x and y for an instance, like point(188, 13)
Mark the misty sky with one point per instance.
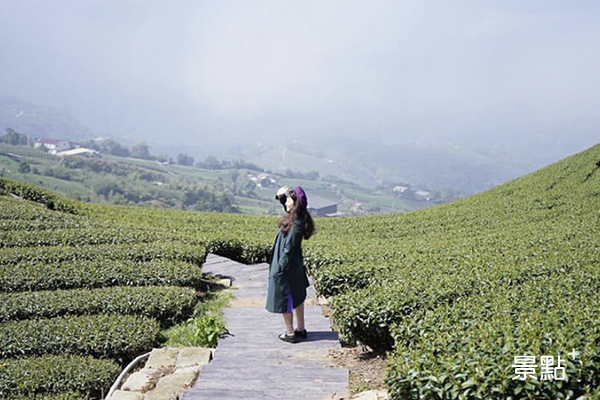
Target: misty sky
point(521, 74)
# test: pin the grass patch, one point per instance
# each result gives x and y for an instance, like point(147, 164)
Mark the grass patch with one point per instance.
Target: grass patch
point(204, 327)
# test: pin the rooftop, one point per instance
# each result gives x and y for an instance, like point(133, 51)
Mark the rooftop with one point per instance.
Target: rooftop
point(317, 202)
point(49, 141)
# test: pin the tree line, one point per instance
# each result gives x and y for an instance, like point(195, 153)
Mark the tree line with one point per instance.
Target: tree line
point(140, 150)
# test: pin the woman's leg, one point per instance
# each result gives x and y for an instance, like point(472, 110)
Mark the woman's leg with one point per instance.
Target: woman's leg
point(299, 311)
point(288, 319)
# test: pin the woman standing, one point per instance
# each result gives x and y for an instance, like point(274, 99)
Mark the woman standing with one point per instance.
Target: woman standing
point(287, 276)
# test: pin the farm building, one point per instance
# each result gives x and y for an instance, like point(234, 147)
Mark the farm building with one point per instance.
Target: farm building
point(422, 194)
point(322, 207)
point(80, 151)
point(53, 145)
point(266, 181)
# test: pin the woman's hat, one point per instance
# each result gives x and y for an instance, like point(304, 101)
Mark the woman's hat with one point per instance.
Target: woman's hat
point(301, 198)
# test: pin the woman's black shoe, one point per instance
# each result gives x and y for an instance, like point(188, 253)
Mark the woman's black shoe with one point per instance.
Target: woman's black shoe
point(288, 338)
point(301, 334)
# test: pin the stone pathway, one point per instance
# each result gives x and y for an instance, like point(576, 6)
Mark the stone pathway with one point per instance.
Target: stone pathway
point(251, 362)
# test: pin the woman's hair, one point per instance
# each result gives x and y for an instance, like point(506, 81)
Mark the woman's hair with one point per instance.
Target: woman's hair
point(297, 212)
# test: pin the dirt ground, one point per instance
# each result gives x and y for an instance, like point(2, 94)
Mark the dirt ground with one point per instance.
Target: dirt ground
point(366, 368)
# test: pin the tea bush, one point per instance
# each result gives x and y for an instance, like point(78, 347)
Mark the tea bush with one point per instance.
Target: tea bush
point(166, 304)
point(55, 377)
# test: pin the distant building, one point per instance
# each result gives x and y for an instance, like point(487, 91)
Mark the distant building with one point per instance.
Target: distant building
point(266, 181)
point(423, 195)
point(322, 207)
point(80, 151)
point(53, 145)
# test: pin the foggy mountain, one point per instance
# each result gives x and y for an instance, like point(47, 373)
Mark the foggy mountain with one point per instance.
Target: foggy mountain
point(39, 121)
point(218, 77)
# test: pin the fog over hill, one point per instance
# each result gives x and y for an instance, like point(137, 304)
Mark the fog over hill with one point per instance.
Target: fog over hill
point(211, 77)
point(39, 121)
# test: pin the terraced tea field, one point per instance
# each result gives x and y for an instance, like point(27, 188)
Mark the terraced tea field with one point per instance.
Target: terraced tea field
point(453, 293)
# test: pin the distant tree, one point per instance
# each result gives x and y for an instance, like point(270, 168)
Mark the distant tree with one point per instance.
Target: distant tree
point(312, 175)
point(107, 188)
point(218, 184)
point(225, 164)
point(241, 164)
point(141, 150)
point(90, 144)
point(164, 159)
point(116, 149)
point(235, 174)
point(59, 173)
point(14, 138)
point(248, 189)
point(212, 163)
point(205, 199)
point(250, 185)
point(184, 159)
point(24, 167)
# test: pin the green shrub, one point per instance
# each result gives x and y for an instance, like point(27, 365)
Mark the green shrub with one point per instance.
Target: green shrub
point(83, 236)
point(38, 195)
point(338, 278)
point(167, 305)
point(40, 275)
point(53, 396)
point(208, 329)
point(467, 350)
point(367, 314)
point(120, 337)
point(421, 283)
point(206, 325)
point(195, 254)
point(243, 251)
point(400, 293)
point(56, 377)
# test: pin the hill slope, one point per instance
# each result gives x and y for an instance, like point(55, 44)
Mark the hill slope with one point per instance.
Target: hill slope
point(130, 181)
point(374, 163)
point(457, 291)
point(454, 292)
point(39, 121)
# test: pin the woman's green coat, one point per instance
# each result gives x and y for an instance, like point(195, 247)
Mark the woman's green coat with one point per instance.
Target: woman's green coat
point(286, 270)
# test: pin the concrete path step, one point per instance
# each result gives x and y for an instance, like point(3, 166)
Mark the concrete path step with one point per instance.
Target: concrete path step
point(251, 362)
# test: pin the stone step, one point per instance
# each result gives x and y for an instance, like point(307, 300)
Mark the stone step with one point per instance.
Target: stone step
point(251, 362)
point(290, 393)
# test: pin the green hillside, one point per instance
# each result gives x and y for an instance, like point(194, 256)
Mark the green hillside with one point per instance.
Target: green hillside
point(149, 183)
point(39, 120)
point(453, 293)
point(371, 162)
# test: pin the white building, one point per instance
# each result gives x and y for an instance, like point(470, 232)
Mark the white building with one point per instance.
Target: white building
point(53, 145)
point(266, 181)
point(80, 151)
